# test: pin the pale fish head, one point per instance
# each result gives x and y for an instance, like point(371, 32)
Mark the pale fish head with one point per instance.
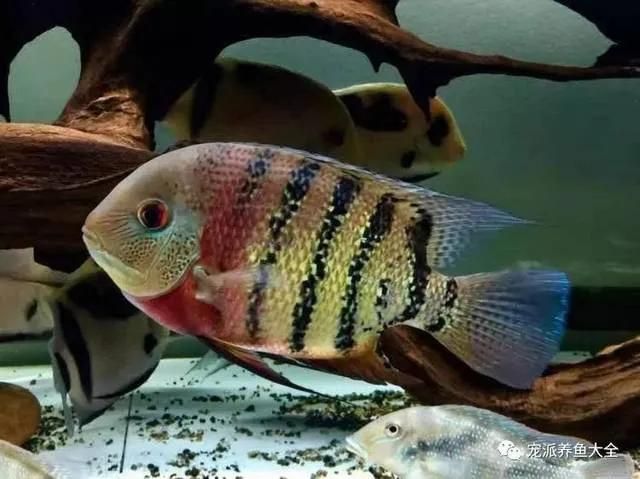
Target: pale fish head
point(383, 441)
point(145, 234)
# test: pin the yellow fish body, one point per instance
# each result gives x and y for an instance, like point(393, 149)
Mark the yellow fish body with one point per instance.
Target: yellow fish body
point(375, 125)
point(261, 249)
point(395, 137)
point(102, 347)
point(252, 102)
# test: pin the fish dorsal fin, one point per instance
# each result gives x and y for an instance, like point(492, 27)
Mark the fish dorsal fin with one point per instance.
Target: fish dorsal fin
point(251, 361)
point(451, 221)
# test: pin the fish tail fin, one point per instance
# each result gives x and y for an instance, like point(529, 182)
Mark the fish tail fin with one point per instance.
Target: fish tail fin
point(617, 467)
point(507, 325)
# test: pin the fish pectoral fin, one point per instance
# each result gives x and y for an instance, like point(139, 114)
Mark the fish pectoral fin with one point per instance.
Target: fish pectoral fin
point(251, 361)
point(210, 284)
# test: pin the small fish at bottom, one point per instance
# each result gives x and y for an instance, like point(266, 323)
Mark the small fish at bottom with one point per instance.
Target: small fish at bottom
point(464, 442)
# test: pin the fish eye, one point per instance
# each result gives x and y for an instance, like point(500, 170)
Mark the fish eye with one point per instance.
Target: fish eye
point(392, 430)
point(153, 214)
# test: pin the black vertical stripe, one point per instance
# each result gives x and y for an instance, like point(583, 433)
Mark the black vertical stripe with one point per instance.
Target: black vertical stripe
point(418, 236)
point(382, 299)
point(64, 371)
point(344, 194)
point(204, 94)
point(75, 343)
point(99, 295)
point(32, 309)
point(149, 343)
point(294, 192)
point(257, 169)
point(135, 383)
point(444, 309)
point(379, 226)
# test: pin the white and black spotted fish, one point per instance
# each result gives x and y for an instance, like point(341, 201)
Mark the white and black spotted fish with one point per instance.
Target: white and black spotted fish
point(462, 442)
point(376, 125)
point(24, 284)
point(396, 138)
point(102, 346)
point(237, 100)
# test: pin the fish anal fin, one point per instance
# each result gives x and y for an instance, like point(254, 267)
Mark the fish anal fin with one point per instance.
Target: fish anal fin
point(369, 365)
point(251, 361)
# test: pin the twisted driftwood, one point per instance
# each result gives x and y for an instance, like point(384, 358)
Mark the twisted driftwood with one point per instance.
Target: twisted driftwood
point(137, 58)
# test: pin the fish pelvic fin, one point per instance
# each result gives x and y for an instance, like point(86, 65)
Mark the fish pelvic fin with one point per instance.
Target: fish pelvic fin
point(618, 467)
point(507, 325)
point(252, 362)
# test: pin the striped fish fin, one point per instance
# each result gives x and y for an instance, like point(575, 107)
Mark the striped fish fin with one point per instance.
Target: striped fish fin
point(454, 222)
point(507, 325)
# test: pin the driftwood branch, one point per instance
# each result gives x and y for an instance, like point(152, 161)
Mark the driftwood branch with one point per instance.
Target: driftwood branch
point(126, 85)
point(138, 56)
point(598, 399)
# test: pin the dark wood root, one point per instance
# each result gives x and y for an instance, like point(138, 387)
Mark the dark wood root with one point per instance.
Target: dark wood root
point(138, 56)
point(50, 179)
point(618, 20)
point(598, 399)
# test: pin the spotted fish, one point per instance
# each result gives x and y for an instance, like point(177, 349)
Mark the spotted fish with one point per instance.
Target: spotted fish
point(238, 100)
point(266, 250)
point(102, 346)
point(394, 135)
point(376, 125)
point(460, 442)
point(24, 284)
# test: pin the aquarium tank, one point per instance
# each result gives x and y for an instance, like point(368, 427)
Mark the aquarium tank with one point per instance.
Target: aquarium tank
point(328, 238)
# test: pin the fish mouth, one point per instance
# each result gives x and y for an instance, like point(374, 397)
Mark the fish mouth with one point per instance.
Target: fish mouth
point(91, 240)
point(106, 260)
point(354, 447)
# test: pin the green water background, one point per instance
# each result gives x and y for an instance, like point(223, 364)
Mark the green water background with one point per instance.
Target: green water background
point(566, 155)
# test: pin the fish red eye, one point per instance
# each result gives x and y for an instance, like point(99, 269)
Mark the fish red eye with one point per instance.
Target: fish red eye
point(153, 214)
